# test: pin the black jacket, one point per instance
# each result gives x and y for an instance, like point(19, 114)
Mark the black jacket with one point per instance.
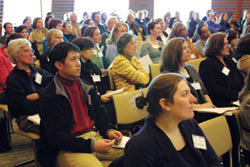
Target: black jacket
point(19, 84)
point(222, 89)
point(57, 121)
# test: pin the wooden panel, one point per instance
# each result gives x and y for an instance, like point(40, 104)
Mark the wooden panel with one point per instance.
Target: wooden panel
point(1, 16)
point(224, 6)
point(59, 7)
point(137, 5)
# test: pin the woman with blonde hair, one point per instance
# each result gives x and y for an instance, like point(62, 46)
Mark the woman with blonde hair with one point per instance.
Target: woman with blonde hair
point(54, 37)
point(111, 52)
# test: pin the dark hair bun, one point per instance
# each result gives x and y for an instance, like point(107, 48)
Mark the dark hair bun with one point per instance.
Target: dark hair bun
point(140, 102)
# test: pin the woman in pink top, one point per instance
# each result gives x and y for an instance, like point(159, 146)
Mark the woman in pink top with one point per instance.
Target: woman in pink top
point(6, 66)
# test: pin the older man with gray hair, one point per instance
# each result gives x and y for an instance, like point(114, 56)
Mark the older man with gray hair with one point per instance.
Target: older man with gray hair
point(24, 84)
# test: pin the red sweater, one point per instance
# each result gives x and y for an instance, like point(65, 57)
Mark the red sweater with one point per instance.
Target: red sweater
point(82, 120)
point(5, 68)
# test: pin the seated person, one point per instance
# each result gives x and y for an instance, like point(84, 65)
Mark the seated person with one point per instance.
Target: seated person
point(127, 70)
point(167, 139)
point(67, 28)
point(6, 66)
point(73, 121)
point(164, 34)
point(24, 84)
point(219, 73)
point(204, 33)
point(152, 46)
point(92, 74)
point(242, 55)
point(53, 24)
point(175, 55)
point(244, 99)
point(54, 37)
point(232, 37)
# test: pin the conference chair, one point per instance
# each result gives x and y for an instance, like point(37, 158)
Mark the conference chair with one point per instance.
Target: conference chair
point(195, 63)
point(154, 70)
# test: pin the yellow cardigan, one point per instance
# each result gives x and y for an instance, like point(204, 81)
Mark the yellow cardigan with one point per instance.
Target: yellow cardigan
point(128, 73)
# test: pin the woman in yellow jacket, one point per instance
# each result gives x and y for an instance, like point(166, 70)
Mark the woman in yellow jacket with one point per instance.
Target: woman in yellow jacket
point(127, 70)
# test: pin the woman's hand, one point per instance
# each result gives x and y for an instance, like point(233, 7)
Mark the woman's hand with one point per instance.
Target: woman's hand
point(105, 98)
point(114, 134)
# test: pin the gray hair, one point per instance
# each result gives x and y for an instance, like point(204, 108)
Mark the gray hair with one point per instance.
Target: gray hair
point(51, 36)
point(123, 40)
point(14, 48)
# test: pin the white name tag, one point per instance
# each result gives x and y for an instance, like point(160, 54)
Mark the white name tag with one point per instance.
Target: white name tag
point(154, 46)
point(199, 142)
point(96, 78)
point(38, 78)
point(225, 71)
point(196, 85)
point(192, 56)
point(234, 60)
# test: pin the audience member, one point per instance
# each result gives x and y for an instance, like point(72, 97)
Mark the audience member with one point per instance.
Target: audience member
point(244, 99)
point(111, 52)
point(96, 20)
point(152, 47)
point(213, 27)
point(232, 37)
point(164, 34)
point(167, 18)
point(6, 66)
point(38, 34)
point(94, 35)
point(8, 28)
point(27, 22)
point(139, 19)
point(179, 30)
point(192, 24)
point(73, 122)
point(47, 20)
point(67, 28)
point(133, 27)
point(204, 34)
point(104, 18)
point(127, 70)
point(219, 73)
point(172, 21)
point(175, 55)
point(54, 37)
point(223, 21)
point(75, 27)
point(167, 139)
point(24, 85)
point(246, 30)
point(242, 54)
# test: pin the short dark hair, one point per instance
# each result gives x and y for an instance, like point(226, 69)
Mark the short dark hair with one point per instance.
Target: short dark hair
point(89, 31)
point(11, 37)
point(242, 47)
point(231, 34)
point(60, 51)
point(151, 26)
point(54, 22)
point(49, 13)
point(21, 28)
point(123, 40)
point(214, 45)
point(93, 15)
point(83, 43)
point(65, 23)
point(171, 22)
point(25, 20)
point(87, 21)
point(5, 25)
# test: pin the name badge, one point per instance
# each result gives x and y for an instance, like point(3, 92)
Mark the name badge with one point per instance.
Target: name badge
point(234, 60)
point(154, 46)
point(196, 85)
point(38, 78)
point(94, 52)
point(199, 142)
point(131, 31)
point(96, 78)
point(225, 71)
point(192, 56)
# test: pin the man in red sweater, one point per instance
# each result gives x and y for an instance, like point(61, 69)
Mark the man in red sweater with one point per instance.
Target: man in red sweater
point(73, 121)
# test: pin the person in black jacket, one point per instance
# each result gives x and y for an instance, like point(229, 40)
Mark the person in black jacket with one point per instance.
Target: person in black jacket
point(219, 73)
point(24, 84)
point(73, 121)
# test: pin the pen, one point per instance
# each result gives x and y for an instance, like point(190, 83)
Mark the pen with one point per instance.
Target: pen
point(114, 140)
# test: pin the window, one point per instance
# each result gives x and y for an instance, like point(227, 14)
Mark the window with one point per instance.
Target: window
point(107, 6)
point(183, 6)
point(15, 11)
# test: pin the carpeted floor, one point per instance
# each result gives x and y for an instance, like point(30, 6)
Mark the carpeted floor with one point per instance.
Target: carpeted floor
point(21, 151)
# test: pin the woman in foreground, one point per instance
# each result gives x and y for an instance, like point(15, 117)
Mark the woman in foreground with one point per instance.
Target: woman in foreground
point(168, 137)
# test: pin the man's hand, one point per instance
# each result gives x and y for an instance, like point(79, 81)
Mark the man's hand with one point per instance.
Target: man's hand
point(114, 134)
point(103, 146)
point(33, 96)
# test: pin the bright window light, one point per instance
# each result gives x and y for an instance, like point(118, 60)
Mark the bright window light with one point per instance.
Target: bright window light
point(183, 6)
point(107, 6)
point(15, 11)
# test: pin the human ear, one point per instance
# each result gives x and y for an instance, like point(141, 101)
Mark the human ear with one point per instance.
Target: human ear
point(58, 65)
point(164, 104)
